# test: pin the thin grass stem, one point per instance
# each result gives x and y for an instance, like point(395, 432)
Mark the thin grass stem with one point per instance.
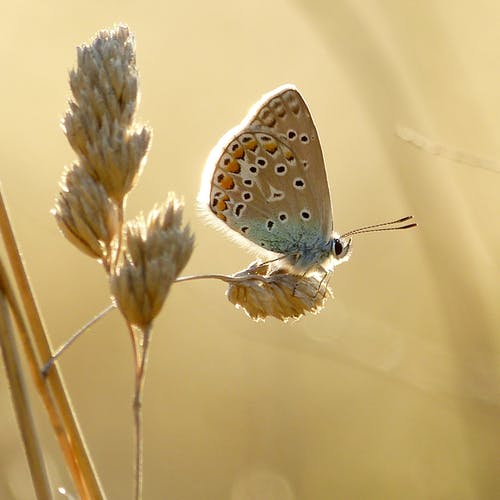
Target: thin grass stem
point(20, 398)
point(139, 386)
point(58, 405)
point(74, 337)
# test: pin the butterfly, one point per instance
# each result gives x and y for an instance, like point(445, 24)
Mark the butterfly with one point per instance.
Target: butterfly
point(266, 182)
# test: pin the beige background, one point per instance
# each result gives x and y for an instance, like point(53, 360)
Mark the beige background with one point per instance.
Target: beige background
point(393, 390)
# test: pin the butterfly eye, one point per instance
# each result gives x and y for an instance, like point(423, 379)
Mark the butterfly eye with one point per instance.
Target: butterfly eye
point(341, 248)
point(338, 248)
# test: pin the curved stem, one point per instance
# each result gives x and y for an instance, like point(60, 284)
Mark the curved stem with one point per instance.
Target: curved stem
point(222, 277)
point(73, 337)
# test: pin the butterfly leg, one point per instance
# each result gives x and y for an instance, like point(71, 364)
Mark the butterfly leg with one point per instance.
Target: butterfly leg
point(326, 276)
point(321, 285)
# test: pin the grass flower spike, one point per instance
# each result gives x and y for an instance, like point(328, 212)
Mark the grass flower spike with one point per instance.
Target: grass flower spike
point(100, 122)
point(85, 214)
point(156, 251)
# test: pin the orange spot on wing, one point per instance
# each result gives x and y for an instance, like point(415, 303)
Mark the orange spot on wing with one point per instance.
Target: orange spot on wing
point(234, 167)
point(270, 147)
point(227, 182)
point(239, 153)
point(221, 205)
point(222, 217)
point(251, 145)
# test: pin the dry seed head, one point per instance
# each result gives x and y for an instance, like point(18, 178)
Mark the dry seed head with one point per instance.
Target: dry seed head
point(85, 214)
point(99, 123)
point(156, 251)
point(263, 291)
point(140, 291)
point(165, 221)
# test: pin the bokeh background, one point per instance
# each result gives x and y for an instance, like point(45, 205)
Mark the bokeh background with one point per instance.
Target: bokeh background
point(393, 390)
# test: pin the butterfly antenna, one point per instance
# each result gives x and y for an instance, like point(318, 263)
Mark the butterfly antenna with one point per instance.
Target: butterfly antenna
point(380, 227)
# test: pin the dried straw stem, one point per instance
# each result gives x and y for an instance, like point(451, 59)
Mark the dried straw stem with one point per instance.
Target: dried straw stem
point(19, 394)
point(52, 389)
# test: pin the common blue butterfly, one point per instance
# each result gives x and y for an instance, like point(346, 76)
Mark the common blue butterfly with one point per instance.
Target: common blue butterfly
point(266, 181)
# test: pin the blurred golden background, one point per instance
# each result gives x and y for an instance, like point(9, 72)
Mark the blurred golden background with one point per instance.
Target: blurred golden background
point(393, 390)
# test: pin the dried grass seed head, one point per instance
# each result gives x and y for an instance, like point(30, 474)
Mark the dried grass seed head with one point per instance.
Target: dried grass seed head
point(263, 290)
point(166, 221)
point(140, 291)
point(99, 123)
point(156, 250)
point(85, 214)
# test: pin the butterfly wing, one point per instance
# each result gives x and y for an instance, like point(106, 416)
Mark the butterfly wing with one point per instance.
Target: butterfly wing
point(284, 113)
point(269, 182)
